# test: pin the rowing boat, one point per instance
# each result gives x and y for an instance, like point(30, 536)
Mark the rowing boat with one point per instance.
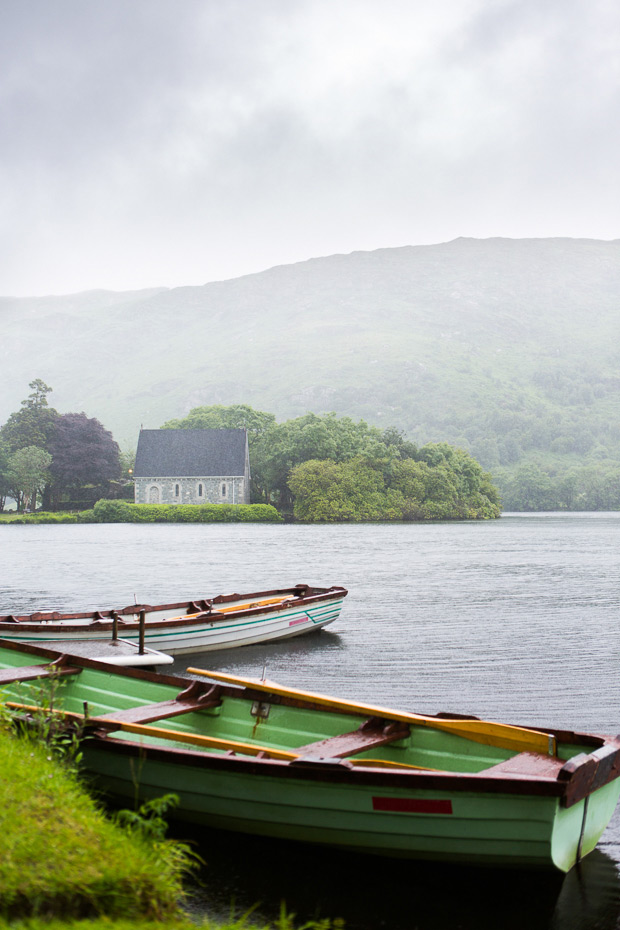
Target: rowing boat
point(191, 626)
point(254, 756)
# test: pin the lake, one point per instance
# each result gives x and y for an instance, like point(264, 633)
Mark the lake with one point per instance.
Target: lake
point(515, 619)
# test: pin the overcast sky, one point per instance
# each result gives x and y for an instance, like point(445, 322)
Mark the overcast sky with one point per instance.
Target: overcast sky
point(172, 142)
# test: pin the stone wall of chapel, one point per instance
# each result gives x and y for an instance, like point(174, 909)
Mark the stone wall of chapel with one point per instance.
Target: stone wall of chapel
point(191, 490)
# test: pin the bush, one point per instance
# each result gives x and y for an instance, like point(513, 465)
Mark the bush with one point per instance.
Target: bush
point(107, 511)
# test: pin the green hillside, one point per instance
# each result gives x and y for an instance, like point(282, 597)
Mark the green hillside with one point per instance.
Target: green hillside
point(508, 348)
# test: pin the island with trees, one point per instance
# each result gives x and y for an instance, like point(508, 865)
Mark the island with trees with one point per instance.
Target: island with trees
point(313, 468)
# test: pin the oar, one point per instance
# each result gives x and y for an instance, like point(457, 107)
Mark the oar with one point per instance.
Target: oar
point(177, 736)
point(234, 607)
point(195, 739)
point(251, 604)
point(502, 735)
point(209, 742)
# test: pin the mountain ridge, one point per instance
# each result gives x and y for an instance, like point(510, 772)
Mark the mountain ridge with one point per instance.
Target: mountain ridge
point(485, 343)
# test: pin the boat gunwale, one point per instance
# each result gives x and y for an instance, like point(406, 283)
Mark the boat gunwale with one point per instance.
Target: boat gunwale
point(341, 772)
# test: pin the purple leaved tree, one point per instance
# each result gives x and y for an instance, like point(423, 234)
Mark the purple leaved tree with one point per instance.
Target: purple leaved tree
point(84, 456)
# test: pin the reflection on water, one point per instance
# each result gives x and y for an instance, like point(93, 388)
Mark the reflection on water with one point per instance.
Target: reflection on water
point(590, 896)
point(369, 892)
point(514, 620)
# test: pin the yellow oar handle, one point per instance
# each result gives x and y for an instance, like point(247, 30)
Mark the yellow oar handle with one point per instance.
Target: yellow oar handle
point(234, 607)
point(252, 604)
point(196, 739)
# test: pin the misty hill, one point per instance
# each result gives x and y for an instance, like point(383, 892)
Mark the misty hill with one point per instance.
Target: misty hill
point(506, 347)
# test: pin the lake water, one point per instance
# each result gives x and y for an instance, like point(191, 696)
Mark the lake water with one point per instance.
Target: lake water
point(516, 620)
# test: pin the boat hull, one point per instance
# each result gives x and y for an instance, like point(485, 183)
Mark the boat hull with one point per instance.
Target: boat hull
point(174, 635)
point(450, 826)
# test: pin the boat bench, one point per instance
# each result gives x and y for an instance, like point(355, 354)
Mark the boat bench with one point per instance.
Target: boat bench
point(534, 764)
point(374, 732)
point(196, 697)
point(32, 672)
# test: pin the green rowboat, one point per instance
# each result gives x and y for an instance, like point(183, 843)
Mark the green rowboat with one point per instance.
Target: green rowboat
point(257, 757)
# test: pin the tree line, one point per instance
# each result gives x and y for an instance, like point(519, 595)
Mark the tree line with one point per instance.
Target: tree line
point(312, 468)
point(55, 459)
point(333, 469)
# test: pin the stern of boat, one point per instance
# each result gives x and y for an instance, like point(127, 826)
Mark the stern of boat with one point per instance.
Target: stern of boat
point(578, 829)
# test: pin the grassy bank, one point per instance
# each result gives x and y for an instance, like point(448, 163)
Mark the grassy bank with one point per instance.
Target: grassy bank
point(65, 864)
point(59, 854)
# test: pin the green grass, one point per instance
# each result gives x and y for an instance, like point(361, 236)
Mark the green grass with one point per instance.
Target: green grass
point(285, 922)
point(59, 853)
point(42, 517)
point(65, 864)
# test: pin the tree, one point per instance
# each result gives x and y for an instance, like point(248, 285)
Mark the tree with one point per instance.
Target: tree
point(237, 416)
point(83, 453)
point(530, 488)
point(217, 416)
point(396, 441)
point(340, 492)
point(276, 448)
point(307, 438)
point(27, 475)
point(364, 489)
point(32, 425)
point(5, 491)
point(128, 464)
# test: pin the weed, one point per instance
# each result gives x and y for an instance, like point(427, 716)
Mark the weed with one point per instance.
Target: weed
point(44, 723)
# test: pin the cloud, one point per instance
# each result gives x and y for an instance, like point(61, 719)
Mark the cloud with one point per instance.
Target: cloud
point(174, 143)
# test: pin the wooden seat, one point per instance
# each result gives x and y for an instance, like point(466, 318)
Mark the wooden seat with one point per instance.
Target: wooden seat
point(195, 697)
point(374, 732)
point(32, 672)
point(524, 764)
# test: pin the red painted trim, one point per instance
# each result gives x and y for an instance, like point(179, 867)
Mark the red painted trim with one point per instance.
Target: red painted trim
point(411, 806)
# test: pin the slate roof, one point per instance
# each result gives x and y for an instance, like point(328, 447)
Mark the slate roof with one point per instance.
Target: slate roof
point(186, 453)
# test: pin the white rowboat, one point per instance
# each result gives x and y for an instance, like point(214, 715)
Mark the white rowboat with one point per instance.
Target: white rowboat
point(188, 627)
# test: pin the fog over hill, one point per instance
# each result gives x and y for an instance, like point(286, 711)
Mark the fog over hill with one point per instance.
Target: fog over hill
point(506, 347)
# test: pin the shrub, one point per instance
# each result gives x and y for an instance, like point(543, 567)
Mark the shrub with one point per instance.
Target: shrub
point(114, 511)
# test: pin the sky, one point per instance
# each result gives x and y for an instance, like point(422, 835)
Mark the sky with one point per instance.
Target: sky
point(148, 143)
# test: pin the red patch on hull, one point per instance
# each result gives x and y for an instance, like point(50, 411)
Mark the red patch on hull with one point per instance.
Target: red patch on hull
point(411, 806)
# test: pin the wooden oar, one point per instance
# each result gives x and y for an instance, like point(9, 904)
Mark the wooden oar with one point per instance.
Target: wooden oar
point(390, 764)
point(209, 742)
point(177, 736)
point(234, 607)
point(196, 739)
point(252, 604)
point(506, 736)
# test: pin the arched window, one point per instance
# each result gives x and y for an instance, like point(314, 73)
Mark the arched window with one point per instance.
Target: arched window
point(176, 490)
point(223, 489)
point(199, 490)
